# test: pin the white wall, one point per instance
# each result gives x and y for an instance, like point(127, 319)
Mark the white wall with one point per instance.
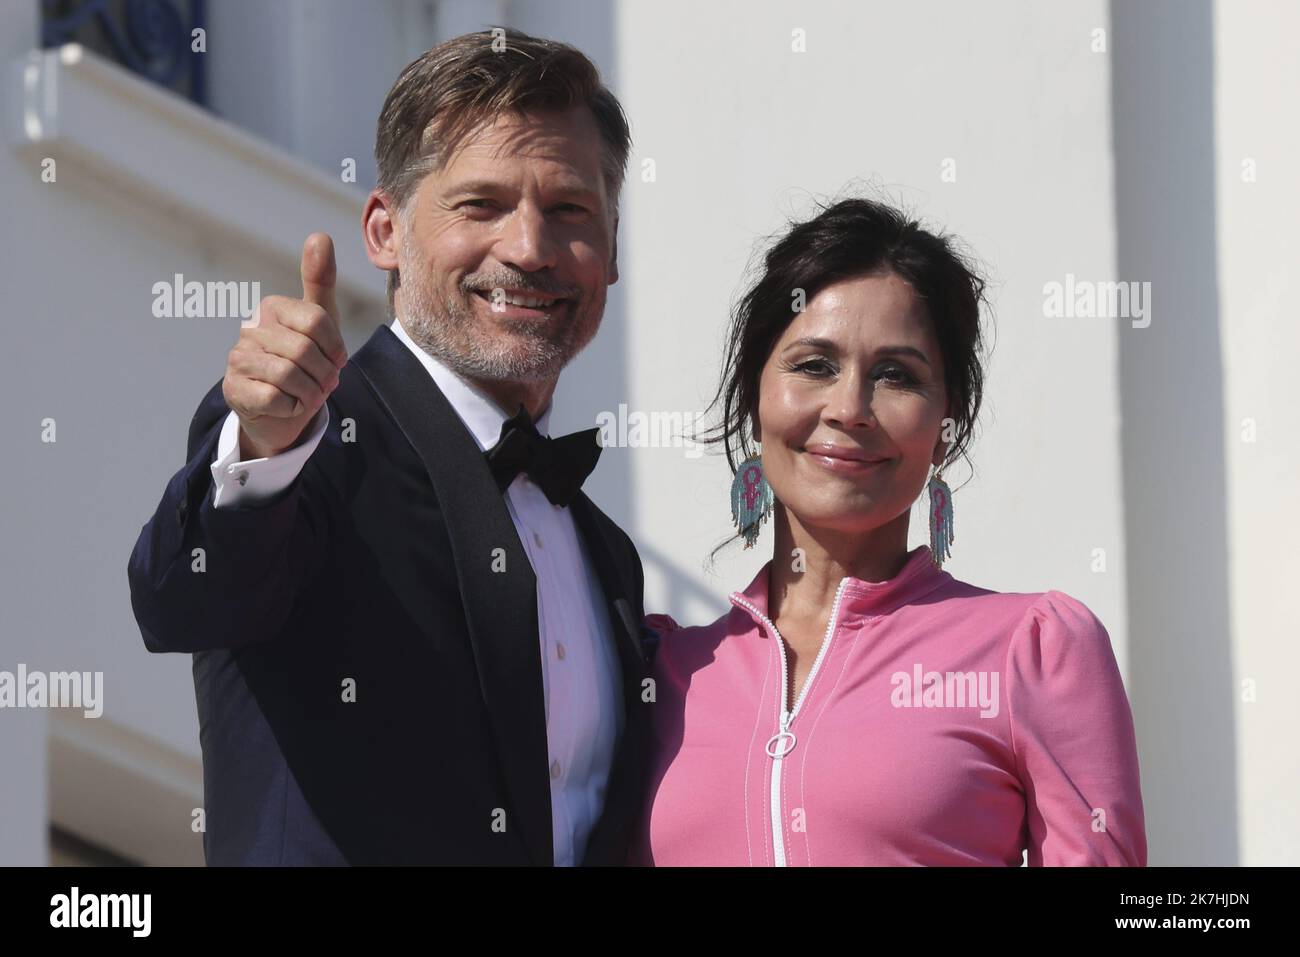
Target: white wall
point(311, 75)
point(1255, 61)
point(23, 794)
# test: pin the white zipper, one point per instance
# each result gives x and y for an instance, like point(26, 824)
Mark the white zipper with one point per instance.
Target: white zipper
point(784, 739)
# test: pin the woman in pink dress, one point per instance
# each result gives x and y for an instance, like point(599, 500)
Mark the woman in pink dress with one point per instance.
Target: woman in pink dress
point(857, 705)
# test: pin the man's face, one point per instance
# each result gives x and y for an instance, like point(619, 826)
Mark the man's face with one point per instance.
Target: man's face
point(506, 252)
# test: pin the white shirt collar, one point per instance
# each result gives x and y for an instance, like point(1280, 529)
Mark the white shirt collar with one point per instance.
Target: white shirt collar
point(481, 415)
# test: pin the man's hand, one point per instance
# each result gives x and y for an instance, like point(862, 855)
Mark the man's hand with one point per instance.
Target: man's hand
point(287, 361)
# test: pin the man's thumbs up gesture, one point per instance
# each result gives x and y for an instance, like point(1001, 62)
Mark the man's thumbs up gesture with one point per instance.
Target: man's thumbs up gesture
point(287, 361)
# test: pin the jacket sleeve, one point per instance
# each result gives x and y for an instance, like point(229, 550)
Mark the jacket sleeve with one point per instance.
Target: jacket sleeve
point(1073, 737)
point(653, 629)
point(203, 578)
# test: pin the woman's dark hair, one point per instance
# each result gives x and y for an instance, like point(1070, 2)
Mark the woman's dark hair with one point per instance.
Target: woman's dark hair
point(848, 239)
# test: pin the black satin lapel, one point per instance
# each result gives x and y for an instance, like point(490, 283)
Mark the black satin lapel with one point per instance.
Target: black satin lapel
point(617, 590)
point(609, 839)
point(500, 607)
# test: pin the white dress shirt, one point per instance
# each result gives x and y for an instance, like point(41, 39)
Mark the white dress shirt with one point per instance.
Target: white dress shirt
point(581, 679)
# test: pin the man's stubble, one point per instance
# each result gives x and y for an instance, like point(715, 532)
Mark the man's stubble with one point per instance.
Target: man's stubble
point(449, 329)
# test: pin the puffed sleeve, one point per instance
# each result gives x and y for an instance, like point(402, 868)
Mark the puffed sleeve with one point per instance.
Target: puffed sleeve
point(1072, 732)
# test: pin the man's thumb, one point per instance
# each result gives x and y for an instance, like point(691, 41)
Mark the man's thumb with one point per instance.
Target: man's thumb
point(319, 273)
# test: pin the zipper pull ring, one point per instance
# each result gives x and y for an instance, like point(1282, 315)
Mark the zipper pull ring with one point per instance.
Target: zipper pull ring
point(781, 743)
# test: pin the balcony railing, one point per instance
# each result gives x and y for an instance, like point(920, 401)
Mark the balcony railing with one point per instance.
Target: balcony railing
point(154, 38)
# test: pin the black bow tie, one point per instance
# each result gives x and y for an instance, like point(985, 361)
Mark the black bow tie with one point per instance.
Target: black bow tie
point(558, 466)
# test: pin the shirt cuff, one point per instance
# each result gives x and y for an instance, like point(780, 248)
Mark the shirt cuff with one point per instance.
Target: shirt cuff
point(254, 481)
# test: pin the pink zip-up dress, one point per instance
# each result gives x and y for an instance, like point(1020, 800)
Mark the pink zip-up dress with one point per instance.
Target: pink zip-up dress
point(940, 724)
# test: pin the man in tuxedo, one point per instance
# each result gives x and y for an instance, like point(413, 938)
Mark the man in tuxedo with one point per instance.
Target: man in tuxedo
point(415, 639)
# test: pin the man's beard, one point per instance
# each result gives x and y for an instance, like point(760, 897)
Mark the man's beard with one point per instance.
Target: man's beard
point(449, 329)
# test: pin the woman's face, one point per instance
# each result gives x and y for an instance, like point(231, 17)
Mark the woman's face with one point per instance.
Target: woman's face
point(851, 406)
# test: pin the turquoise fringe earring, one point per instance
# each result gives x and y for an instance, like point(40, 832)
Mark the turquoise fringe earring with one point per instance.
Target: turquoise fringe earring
point(751, 499)
point(941, 536)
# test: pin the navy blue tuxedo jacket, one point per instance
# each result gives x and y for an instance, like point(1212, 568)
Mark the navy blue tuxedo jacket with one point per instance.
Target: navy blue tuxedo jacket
point(376, 565)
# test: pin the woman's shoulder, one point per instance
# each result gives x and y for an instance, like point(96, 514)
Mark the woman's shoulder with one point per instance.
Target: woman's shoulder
point(1053, 607)
point(1065, 609)
point(666, 627)
point(1055, 636)
point(662, 634)
point(1056, 623)
point(1043, 626)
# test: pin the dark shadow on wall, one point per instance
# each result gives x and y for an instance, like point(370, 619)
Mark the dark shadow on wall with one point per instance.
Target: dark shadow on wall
point(1171, 396)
